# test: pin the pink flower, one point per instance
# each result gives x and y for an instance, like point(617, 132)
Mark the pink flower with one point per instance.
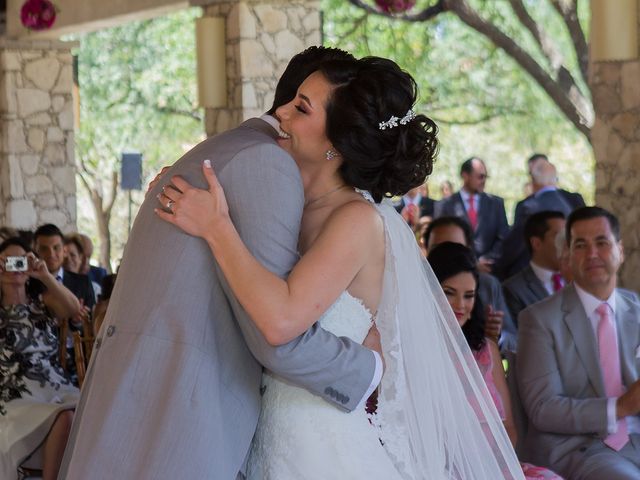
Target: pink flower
point(38, 14)
point(395, 6)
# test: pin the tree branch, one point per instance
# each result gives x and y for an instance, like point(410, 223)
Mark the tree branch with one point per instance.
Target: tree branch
point(568, 10)
point(547, 47)
point(566, 96)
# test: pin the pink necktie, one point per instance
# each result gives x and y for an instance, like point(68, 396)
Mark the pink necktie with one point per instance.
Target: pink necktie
point(556, 279)
point(473, 213)
point(610, 365)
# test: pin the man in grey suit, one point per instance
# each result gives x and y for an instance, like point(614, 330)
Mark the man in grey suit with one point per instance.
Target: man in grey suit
point(578, 362)
point(541, 277)
point(484, 212)
point(173, 389)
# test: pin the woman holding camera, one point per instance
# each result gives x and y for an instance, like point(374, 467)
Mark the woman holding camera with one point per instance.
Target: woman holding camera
point(36, 398)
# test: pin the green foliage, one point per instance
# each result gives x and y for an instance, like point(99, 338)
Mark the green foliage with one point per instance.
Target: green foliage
point(137, 93)
point(484, 103)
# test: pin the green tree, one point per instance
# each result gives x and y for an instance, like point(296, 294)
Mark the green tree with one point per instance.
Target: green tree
point(484, 102)
point(137, 93)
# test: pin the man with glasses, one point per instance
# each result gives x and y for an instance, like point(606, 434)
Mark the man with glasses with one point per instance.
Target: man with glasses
point(484, 212)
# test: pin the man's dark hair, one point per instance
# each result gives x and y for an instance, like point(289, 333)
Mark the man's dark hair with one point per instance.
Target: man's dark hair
point(446, 222)
point(467, 165)
point(300, 67)
point(537, 156)
point(537, 225)
point(47, 230)
point(587, 213)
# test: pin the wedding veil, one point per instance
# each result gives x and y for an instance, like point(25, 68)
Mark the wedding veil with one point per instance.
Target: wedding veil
point(438, 418)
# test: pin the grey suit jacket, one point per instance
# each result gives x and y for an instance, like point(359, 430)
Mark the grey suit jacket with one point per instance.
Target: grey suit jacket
point(173, 387)
point(521, 290)
point(492, 221)
point(559, 377)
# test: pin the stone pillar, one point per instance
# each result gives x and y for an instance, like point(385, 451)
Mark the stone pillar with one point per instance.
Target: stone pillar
point(615, 137)
point(37, 174)
point(262, 36)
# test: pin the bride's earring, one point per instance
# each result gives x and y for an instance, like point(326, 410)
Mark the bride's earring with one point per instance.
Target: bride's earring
point(331, 154)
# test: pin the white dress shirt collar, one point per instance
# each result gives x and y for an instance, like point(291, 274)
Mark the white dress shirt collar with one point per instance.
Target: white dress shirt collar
point(465, 199)
point(412, 201)
point(59, 275)
point(544, 275)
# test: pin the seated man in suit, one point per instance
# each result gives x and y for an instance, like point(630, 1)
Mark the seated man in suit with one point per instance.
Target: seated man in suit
point(541, 277)
point(484, 212)
point(49, 246)
point(515, 255)
point(499, 324)
point(577, 367)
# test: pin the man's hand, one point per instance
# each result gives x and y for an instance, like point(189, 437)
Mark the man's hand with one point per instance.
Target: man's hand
point(485, 264)
point(493, 324)
point(629, 403)
point(372, 342)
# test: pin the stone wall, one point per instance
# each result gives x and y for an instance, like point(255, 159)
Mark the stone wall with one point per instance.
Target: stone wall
point(37, 175)
point(262, 36)
point(615, 137)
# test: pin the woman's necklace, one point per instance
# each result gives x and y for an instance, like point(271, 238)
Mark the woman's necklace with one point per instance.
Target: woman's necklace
point(326, 194)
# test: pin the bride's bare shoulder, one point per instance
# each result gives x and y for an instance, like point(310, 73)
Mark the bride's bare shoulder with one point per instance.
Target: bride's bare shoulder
point(358, 216)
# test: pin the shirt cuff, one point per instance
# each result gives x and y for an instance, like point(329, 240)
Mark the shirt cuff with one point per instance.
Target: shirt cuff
point(377, 376)
point(612, 420)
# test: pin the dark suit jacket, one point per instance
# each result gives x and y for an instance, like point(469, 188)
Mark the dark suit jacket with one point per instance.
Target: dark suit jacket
point(80, 286)
point(521, 290)
point(490, 293)
point(426, 206)
point(514, 255)
point(560, 380)
point(492, 221)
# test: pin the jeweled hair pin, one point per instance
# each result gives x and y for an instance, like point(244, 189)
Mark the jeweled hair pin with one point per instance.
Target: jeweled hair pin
point(393, 121)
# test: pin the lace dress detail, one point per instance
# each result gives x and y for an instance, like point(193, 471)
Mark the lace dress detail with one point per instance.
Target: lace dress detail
point(33, 386)
point(301, 436)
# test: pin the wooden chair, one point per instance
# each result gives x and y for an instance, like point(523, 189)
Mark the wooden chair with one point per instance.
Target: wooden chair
point(82, 348)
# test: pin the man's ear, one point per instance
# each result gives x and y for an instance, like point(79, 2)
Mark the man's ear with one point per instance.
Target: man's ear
point(535, 243)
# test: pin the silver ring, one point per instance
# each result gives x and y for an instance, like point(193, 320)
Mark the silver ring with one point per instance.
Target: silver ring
point(170, 204)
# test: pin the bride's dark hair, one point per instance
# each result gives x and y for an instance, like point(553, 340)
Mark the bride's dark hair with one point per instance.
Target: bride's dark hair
point(367, 92)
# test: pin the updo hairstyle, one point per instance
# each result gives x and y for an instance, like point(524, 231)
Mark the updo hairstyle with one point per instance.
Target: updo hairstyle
point(384, 162)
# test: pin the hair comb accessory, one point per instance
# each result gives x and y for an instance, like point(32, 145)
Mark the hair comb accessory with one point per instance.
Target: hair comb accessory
point(393, 121)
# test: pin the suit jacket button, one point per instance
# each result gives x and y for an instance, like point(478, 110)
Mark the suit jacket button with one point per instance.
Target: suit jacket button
point(98, 343)
point(111, 330)
point(346, 399)
point(328, 391)
point(583, 449)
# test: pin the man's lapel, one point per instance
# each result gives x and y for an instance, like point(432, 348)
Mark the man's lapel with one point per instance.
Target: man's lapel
point(627, 317)
point(534, 283)
point(583, 337)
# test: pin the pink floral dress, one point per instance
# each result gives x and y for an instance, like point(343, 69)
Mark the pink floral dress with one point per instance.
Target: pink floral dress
point(485, 364)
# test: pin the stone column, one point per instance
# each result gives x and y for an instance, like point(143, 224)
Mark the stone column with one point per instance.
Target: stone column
point(615, 137)
point(37, 174)
point(262, 36)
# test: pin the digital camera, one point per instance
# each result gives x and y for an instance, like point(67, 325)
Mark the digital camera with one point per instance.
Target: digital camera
point(16, 264)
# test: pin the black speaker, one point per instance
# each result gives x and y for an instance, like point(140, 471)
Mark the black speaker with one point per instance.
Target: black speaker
point(131, 172)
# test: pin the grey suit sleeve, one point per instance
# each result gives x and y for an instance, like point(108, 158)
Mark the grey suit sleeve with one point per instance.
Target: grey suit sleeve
point(265, 197)
point(508, 337)
point(514, 304)
point(541, 388)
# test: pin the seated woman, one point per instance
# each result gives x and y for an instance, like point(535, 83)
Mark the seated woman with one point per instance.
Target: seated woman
point(455, 268)
point(36, 398)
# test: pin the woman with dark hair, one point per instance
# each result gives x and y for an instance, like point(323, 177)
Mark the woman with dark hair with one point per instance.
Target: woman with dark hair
point(455, 268)
point(36, 398)
point(356, 139)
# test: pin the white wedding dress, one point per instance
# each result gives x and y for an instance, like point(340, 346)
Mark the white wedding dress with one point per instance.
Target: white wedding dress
point(435, 418)
point(301, 436)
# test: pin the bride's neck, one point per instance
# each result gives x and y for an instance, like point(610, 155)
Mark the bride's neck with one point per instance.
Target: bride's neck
point(319, 181)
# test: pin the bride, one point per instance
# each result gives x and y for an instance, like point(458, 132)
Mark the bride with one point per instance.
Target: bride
point(356, 139)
